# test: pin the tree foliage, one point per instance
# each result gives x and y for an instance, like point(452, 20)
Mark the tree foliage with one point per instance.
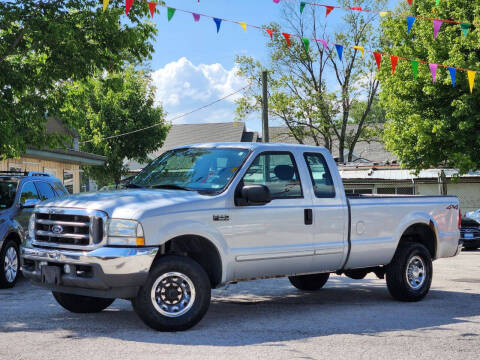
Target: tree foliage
point(111, 104)
point(433, 124)
point(45, 42)
point(312, 92)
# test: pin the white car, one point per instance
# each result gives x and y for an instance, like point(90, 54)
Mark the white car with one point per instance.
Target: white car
point(201, 216)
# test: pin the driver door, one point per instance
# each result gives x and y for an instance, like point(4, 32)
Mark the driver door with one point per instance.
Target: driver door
point(27, 192)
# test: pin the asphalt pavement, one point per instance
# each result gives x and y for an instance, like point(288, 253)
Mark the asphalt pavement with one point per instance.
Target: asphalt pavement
point(265, 319)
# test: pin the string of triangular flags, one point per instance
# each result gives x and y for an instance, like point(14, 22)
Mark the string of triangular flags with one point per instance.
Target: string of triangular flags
point(437, 23)
point(378, 56)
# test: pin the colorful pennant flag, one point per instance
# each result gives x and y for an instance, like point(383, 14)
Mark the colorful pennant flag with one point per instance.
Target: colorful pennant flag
point(328, 10)
point(218, 22)
point(415, 69)
point(471, 79)
point(437, 2)
point(410, 21)
point(437, 24)
point(362, 50)
point(433, 70)
point(378, 59)
point(453, 73)
point(339, 51)
point(243, 25)
point(128, 5)
point(196, 17)
point(306, 44)
point(410, 2)
point(393, 60)
point(105, 4)
point(151, 7)
point(324, 43)
point(171, 12)
point(276, 1)
point(302, 6)
point(270, 32)
point(465, 27)
point(287, 38)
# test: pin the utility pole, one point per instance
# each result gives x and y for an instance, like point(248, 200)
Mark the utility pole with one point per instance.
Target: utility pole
point(265, 136)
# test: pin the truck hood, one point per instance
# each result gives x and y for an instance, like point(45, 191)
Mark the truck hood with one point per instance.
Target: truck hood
point(129, 203)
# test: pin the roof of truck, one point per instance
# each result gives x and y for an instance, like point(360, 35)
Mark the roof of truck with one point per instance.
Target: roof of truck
point(250, 145)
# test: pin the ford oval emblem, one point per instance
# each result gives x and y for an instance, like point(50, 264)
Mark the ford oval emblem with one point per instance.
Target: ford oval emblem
point(57, 229)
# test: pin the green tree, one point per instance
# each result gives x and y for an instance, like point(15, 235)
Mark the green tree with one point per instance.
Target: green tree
point(45, 42)
point(312, 92)
point(108, 105)
point(433, 124)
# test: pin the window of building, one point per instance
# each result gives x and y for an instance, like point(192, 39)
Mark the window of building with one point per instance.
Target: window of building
point(359, 191)
point(320, 175)
point(50, 171)
point(68, 180)
point(277, 171)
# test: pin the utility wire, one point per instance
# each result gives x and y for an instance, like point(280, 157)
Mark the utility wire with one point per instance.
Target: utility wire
point(172, 119)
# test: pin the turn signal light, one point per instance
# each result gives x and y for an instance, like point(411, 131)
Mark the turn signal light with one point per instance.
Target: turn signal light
point(140, 241)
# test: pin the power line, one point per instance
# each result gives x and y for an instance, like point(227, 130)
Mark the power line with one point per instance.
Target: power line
point(173, 119)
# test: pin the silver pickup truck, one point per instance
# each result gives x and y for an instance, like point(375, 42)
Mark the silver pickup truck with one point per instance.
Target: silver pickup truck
point(201, 216)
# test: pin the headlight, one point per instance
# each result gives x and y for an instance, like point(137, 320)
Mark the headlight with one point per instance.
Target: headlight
point(31, 227)
point(125, 232)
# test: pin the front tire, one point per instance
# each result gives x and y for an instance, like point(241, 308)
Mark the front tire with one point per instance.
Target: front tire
point(9, 264)
point(176, 295)
point(82, 304)
point(409, 275)
point(310, 282)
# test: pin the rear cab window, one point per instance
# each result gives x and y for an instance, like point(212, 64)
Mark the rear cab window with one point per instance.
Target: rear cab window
point(8, 190)
point(322, 182)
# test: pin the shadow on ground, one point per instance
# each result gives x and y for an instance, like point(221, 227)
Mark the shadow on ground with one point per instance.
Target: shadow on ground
point(250, 313)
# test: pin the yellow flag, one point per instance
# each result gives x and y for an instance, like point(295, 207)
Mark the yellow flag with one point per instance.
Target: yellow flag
point(362, 50)
point(384, 13)
point(471, 79)
point(105, 4)
point(243, 25)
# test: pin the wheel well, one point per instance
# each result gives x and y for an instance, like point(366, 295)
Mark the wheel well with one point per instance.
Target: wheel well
point(13, 236)
point(423, 234)
point(199, 249)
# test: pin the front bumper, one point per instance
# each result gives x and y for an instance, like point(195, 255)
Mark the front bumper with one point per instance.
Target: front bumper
point(471, 242)
point(109, 272)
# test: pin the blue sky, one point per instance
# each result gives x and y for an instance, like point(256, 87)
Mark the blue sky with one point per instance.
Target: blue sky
point(193, 65)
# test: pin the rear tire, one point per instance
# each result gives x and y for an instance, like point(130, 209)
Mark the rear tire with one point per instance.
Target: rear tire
point(310, 282)
point(175, 296)
point(409, 275)
point(9, 264)
point(82, 304)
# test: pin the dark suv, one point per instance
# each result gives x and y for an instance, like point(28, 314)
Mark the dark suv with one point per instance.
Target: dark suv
point(19, 193)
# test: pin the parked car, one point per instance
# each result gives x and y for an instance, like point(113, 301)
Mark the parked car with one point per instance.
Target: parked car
point(19, 193)
point(475, 215)
point(470, 233)
point(201, 216)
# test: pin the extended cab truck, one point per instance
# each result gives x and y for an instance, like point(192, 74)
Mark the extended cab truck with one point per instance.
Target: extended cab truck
point(201, 216)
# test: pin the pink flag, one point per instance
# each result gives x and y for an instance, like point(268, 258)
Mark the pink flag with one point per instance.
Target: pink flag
point(276, 1)
point(433, 70)
point(196, 17)
point(436, 27)
point(325, 44)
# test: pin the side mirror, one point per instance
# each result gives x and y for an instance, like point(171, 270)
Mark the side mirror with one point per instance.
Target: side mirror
point(256, 195)
point(30, 203)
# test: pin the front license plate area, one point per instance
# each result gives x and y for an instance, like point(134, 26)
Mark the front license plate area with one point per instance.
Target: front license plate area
point(51, 275)
point(468, 236)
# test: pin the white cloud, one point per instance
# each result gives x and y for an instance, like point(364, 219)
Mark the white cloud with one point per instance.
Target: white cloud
point(182, 86)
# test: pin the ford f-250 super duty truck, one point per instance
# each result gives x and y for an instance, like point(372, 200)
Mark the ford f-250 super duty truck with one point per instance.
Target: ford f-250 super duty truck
point(201, 216)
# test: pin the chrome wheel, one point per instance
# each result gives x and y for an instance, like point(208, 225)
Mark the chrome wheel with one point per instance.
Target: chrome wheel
point(416, 272)
point(173, 294)
point(11, 264)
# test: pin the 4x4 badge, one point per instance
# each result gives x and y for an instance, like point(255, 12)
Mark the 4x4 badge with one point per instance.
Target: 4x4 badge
point(221, 218)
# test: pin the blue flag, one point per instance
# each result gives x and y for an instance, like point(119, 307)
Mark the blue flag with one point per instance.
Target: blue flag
point(217, 22)
point(410, 21)
point(339, 51)
point(453, 73)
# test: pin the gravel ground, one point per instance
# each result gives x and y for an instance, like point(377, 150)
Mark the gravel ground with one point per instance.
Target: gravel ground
point(267, 319)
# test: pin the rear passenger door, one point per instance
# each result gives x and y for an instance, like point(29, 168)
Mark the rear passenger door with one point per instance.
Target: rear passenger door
point(272, 239)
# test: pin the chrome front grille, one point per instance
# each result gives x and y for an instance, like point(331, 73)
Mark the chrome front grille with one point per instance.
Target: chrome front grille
point(69, 228)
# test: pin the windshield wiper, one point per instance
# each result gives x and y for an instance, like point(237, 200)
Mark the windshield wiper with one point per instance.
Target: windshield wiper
point(170, 186)
point(132, 185)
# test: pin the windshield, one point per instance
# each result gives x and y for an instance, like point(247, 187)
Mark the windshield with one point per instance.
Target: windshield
point(8, 189)
point(197, 169)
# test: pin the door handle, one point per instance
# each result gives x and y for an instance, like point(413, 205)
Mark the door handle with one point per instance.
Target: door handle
point(308, 216)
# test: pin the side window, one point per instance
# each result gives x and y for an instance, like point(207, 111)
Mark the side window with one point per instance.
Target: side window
point(320, 174)
point(278, 171)
point(28, 192)
point(45, 191)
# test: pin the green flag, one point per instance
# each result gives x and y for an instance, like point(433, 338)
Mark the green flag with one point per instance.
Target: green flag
point(171, 11)
point(465, 27)
point(437, 2)
point(302, 6)
point(306, 43)
point(415, 68)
